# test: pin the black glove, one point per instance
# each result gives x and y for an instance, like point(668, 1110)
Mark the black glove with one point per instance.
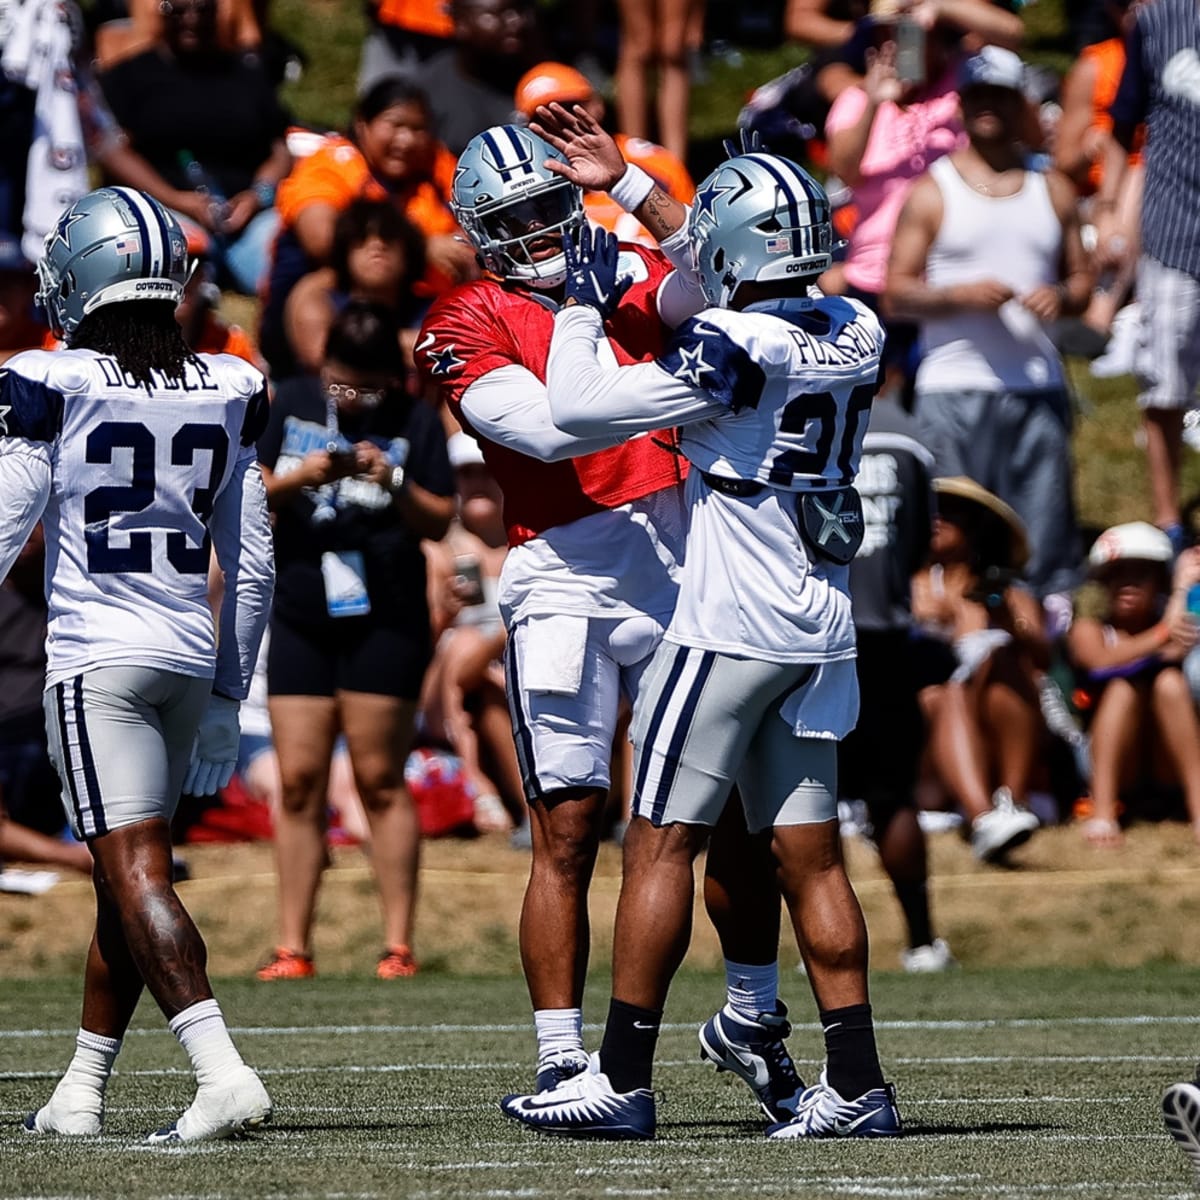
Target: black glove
point(592, 270)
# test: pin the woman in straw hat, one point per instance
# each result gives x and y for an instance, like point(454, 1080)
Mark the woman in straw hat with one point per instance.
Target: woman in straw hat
point(1143, 722)
point(984, 645)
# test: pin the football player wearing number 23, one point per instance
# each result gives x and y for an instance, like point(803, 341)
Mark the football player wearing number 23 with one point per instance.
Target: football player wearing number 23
point(138, 456)
point(754, 682)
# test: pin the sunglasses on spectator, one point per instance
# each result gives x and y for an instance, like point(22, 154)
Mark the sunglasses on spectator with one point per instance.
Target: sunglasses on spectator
point(367, 397)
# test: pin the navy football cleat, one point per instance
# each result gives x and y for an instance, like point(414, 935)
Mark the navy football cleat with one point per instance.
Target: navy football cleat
point(754, 1051)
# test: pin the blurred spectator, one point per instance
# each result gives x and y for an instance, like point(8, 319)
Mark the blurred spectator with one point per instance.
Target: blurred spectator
point(822, 24)
point(551, 81)
point(953, 28)
point(392, 155)
point(204, 329)
point(402, 34)
point(1159, 87)
point(377, 256)
point(30, 808)
point(20, 328)
point(43, 145)
point(878, 761)
point(470, 83)
point(654, 40)
point(981, 645)
point(1143, 723)
point(1083, 134)
point(356, 474)
point(54, 121)
point(986, 254)
point(463, 700)
point(208, 122)
point(125, 29)
point(881, 136)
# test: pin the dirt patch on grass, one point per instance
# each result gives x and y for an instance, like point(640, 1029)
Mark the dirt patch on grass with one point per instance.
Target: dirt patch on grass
point(1061, 903)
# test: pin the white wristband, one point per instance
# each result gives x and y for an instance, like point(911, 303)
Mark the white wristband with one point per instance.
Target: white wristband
point(632, 188)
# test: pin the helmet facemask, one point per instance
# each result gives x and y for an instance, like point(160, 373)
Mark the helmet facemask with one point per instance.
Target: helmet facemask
point(507, 200)
point(507, 234)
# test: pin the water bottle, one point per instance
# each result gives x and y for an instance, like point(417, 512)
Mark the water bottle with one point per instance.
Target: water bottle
point(1193, 602)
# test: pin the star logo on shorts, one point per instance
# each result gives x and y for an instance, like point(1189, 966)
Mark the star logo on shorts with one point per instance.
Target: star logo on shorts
point(831, 521)
point(692, 365)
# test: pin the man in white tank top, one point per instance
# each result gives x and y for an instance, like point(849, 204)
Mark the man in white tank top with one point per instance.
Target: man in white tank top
point(986, 255)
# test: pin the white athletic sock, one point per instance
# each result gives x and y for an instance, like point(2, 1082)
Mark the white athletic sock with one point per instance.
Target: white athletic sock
point(82, 1085)
point(201, 1031)
point(751, 989)
point(559, 1033)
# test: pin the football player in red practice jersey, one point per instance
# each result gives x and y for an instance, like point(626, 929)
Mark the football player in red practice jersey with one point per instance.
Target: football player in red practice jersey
point(589, 584)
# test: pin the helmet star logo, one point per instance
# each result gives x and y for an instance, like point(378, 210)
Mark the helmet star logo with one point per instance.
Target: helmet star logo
point(708, 196)
point(62, 231)
point(692, 364)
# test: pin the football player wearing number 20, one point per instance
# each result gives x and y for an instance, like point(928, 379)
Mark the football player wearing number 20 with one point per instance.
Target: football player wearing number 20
point(754, 682)
point(137, 455)
point(595, 527)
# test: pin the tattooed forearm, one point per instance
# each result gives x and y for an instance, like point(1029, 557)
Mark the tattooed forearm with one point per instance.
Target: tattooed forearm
point(661, 214)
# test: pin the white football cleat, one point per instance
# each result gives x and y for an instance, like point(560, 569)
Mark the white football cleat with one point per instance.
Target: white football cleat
point(221, 1111)
point(71, 1111)
point(1181, 1115)
point(586, 1106)
point(823, 1113)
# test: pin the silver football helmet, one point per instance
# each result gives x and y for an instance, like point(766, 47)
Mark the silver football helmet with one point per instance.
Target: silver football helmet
point(505, 200)
point(758, 217)
point(112, 245)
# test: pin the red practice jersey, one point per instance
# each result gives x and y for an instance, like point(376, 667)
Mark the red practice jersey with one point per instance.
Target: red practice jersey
point(481, 326)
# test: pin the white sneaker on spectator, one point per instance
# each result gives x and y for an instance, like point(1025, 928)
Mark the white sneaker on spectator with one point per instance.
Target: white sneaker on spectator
point(934, 957)
point(932, 820)
point(1002, 828)
point(1118, 358)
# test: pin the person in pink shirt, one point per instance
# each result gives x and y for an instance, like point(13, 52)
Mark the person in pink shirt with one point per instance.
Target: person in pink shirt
point(882, 134)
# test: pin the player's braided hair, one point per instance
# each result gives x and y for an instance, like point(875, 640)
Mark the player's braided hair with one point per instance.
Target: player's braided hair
point(143, 336)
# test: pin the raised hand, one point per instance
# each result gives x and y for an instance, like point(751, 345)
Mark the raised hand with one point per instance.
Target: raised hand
point(592, 270)
point(593, 159)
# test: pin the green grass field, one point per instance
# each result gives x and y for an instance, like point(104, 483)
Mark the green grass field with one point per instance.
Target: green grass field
point(1012, 1084)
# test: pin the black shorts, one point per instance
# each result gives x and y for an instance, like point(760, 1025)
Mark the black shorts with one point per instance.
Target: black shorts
point(878, 761)
point(354, 654)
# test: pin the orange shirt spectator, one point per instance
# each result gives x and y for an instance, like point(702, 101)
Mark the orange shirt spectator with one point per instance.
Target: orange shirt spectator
point(237, 27)
point(393, 156)
point(1087, 94)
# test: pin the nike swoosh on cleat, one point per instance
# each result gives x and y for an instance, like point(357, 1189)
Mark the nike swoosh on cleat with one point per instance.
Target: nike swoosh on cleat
point(844, 1128)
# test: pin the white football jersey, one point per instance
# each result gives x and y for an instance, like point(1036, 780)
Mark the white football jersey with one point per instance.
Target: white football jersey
point(129, 483)
point(776, 395)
